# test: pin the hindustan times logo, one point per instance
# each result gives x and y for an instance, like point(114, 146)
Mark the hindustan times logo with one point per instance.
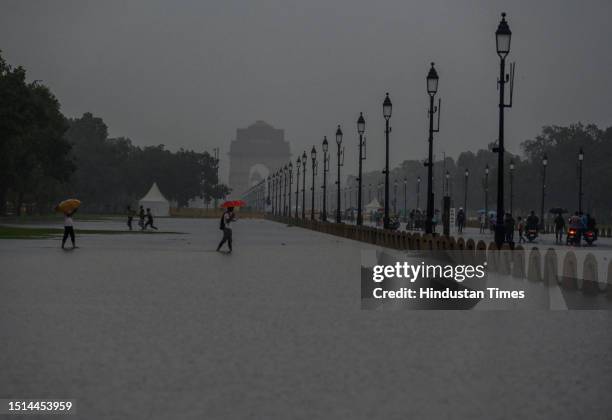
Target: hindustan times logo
point(413, 272)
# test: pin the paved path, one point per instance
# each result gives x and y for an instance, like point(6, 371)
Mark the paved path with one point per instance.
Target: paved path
point(163, 327)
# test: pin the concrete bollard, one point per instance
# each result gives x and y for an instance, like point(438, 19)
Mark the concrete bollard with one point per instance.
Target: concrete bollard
point(480, 253)
point(492, 258)
point(551, 276)
point(518, 262)
point(569, 278)
point(534, 265)
point(504, 260)
point(590, 275)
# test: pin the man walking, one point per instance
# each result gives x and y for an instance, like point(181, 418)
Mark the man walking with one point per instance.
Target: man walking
point(227, 218)
point(559, 228)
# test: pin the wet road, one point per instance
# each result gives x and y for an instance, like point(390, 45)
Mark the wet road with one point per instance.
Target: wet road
point(161, 326)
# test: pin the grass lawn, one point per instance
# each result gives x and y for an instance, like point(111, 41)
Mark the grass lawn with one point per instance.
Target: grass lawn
point(18, 232)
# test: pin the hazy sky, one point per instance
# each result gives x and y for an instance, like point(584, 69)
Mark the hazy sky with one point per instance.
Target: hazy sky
point(188, 73)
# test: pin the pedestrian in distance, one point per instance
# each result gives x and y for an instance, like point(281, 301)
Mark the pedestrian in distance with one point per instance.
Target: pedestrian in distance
point(460, 220)
point(149, 220)
point(559, 228)
point(227, 218)
point(69, 229)
point(521, 229)
point(509, 228)
point(141, 218)
point(130, 216)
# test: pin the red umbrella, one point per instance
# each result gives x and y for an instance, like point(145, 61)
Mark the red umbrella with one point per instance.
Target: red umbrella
point(233, 203)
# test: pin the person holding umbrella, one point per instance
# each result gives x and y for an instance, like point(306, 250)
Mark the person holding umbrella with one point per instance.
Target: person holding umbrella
point(227, 218)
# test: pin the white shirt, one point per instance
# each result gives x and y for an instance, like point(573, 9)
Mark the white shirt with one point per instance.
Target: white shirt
point(68, 221)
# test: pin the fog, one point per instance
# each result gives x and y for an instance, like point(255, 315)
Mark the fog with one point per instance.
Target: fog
point(188, 74)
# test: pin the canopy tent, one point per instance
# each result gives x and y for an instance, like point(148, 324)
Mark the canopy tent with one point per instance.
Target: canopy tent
point(155, 201)
point(374, 205)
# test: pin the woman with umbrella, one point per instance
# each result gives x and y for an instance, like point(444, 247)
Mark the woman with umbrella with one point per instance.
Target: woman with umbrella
point(227, 218)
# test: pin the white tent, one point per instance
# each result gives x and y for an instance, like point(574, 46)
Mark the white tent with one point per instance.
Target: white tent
point(372, 206)
point(155, 201)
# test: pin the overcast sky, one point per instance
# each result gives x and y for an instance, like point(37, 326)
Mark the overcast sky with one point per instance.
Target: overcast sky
point(188, 73)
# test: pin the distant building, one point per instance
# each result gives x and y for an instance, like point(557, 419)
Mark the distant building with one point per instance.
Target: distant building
point(258, 150)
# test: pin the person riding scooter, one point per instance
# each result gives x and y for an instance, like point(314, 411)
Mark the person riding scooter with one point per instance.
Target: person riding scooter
point(574, 233)
point(533, 223)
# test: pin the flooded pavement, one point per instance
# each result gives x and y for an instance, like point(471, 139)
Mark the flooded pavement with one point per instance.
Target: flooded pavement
point(162, 326)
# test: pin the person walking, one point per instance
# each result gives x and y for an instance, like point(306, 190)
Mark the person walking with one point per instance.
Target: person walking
point(226, 219)
point(69, 229)
point(149, 220)
point(559, 228)
point(521, 229)
point(509, 228)
point(460, 220)
point(141, 218)
point(130, 216)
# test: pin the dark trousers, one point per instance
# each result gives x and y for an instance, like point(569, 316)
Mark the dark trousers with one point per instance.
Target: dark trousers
point(559, 234)
point(129, 222)
point(149, 223)
point(68, 231)
point(227, 237)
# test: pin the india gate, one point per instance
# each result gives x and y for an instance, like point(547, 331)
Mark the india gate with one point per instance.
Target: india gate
point(257, 150)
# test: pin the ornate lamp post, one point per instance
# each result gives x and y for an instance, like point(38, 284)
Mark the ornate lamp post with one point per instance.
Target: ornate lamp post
point(285, 170)
point(432, 88)
point(387, 107)
point(544, 165)
point(304, 161)
point(503, 36)
point(298, 163)
point(268, 200)
point(360, 130)
point(447, 178)
point(290, 170)
point(274, 186)
point(511, 185)
point(405, 198)
point(580, 159)
point(486, 191)
point(313, 156)
point(325, 169)
point(418, 192)
point(467, 175)
point(340, 163)
point(395, 196)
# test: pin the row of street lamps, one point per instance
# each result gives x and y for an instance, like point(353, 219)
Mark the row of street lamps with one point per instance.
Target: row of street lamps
point(503, 37)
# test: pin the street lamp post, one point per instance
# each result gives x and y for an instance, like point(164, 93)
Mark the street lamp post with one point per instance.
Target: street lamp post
point(340, 163)
point(387, 107)
point(395, 196)
point(544, 165)
point(580, 159)
point(503, 36)
point(290, 169)
point(486, 191)
point(418, 193)
point(304, 161)
point(465, 192)
point(298, 163)
point(511, 185)
point(432, 88)
point(447, 192)
point(274, 186)
point(405, 198)
point(313, 156)
point(360, 130)
point(268, 200)
point(285, 170)
point(325, 169)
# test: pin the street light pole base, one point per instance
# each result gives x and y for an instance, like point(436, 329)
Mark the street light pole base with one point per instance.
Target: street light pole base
point(500, 235)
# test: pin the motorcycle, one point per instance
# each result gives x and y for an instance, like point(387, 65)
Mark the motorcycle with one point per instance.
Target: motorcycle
point(531, 234)
point(572, 237)
point(589, 237)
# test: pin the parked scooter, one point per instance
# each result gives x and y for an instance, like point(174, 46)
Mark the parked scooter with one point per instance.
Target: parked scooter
point(531, 234)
